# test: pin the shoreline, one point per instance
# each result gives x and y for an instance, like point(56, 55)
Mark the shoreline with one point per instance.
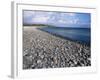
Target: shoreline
point(44, 50)
point(80, 42)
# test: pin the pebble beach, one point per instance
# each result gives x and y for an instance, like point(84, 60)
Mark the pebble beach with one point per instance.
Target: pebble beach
point(44, 50)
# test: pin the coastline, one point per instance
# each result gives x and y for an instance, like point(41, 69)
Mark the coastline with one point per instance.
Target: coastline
point(77, 41)
point(44, 50)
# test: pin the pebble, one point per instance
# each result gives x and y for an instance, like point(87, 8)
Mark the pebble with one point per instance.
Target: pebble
point(49, 51)
point(38, 61)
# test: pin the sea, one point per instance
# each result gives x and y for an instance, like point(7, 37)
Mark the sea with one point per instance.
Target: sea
point(82, 35)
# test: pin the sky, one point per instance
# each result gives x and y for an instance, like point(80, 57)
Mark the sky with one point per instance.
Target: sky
point(58, 19)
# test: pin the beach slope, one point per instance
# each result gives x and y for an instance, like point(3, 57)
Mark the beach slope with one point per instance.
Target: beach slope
point(44, 50)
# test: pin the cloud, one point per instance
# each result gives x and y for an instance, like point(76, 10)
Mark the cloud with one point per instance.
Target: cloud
point(68, 18)
point(75, 21)
point(49, 13)
point(71, 14)
point(68, 14)
point(40, 19)
point(52, 18)
point(68, 21)
point(28, 14)
point(62, 21)
point(55, 18)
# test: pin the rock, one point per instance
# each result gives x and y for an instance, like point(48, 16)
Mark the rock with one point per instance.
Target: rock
point(25, 52)
point(43, 50)
point(42, 56)
point(38, 61)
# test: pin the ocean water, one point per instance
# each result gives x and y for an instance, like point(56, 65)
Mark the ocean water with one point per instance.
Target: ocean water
point(82, 35)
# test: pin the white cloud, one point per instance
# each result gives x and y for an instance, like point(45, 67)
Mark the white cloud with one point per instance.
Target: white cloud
point(68, 14)
point(29, 13)
point(71, 14)
point(69, 21)
point(69, 18)
point(62, 21)
point(50, 13)
point(66, 21)
point(40, 19)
